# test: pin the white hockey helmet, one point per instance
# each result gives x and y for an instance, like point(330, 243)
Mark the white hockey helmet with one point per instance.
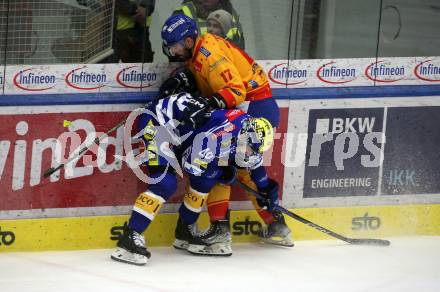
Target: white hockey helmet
point(256, 137)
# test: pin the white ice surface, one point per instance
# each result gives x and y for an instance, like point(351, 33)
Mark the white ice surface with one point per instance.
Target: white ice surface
point(408, 265)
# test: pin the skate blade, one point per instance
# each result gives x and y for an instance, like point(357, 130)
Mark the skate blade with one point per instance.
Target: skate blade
point(216, 249)
point(280, 241)
point(180, 244)
point(124, 256)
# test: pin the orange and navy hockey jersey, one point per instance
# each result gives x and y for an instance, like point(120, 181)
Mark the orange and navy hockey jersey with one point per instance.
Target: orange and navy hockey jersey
point(221, 67)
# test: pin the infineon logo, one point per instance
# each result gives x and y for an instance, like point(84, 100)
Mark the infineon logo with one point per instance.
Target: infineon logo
point(33, 80)
point(427, 71)
point(81, 79)
point(287, 74)
point(133, 77)
point(334, 74)
point(384, 71)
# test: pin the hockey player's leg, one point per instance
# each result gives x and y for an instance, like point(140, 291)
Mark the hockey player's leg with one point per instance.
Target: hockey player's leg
point(189, 212)
point(183, 234)
point(218, 202)
point(131, 246)
point(186, 228)
point(265, 108)
point(216, 240)
point(276, 230)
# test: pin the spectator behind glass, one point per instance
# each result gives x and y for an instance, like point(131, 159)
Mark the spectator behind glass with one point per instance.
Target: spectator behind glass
point(199, 10)
point(219, 22)
point(132, 36)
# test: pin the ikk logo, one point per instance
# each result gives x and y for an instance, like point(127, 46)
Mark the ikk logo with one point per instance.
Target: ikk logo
point(81, 79)
point(287, 74)
point(427, 71)
point(334, 74)
point(32, 79)
point(6, 237)
point(133, 77)
point(401, 177)
point(365, 223)
point(384, 71)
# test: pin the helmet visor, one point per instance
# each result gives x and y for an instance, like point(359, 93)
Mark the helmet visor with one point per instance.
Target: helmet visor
point(248, 153)
point(177, 49)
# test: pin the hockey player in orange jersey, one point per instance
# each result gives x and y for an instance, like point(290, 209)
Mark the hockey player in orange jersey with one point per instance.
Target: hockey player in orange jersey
point(226, 76)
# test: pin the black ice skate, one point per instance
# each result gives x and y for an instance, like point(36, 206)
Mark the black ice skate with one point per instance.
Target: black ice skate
point(277, 232)
point(183, 234)
point(131, 248)
point(215, 241)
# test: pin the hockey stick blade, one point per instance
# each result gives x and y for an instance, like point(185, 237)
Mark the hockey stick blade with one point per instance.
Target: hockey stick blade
point(51, 170)
point(355, 241)
point(83, 150)
point(369, 241)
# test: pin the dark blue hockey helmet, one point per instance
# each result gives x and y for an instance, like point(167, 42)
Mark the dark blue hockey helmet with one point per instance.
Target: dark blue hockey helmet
point(178, 27)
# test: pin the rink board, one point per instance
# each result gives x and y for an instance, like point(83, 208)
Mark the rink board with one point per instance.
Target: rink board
point(88, 208)
point(103, 231)
point(102, 184)
point(344, 170)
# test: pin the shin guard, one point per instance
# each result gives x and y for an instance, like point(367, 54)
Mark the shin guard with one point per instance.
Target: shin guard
point(145, 209)
point(193, 202)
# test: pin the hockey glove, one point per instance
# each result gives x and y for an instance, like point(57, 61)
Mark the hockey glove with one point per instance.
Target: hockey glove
point(216, 101)
point(228, 175)
point(270, 199)
point(196, 112)
point(183, 81)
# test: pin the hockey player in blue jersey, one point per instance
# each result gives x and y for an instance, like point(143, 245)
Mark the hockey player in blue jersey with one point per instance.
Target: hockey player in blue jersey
point(236, 141)
point(208, 145)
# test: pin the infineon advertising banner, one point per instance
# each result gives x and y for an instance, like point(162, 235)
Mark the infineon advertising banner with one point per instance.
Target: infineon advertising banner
point(81, 78)
point(85, 78)
point(353, 72)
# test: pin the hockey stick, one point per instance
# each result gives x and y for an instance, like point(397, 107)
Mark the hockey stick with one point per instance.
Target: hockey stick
point(357, 241)
point(51, 170)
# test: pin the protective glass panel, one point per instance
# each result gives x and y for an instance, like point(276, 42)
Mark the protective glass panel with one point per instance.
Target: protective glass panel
point(409, 28)
point(62, 31)
point(266, 27)
point(328, 29)
point(3, 24)
point(261, 27)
